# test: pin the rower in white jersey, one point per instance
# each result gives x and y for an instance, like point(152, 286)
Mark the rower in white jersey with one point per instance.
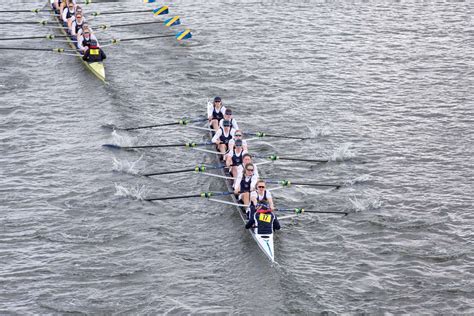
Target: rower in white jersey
point(246, 159)
point(76, 25)
point(84, 38)
point(222, 136)
point(215, 113)
point(235, 157)
point(63, 5)
point(68, 13)
point(237, 135)
point(228, 116)
point(246, 183)
point(262, 195)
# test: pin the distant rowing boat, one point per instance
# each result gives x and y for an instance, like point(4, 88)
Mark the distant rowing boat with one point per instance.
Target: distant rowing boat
point(97, 68)
point(264, 242)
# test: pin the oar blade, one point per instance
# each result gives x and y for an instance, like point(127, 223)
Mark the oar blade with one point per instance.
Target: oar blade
point(149, 1)
point(112, 146)
point(172, 21)
point(161, 11)
point(184, 35)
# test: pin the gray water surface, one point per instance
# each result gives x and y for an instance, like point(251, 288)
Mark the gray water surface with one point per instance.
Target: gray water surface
point(385, 89)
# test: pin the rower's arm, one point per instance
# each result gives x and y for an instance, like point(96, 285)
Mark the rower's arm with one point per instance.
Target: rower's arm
point(216, 137)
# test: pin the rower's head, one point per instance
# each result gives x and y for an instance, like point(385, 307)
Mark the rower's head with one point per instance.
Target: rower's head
point(249, 169)
point(86, 31)
point(226, 124)
point(246, 159)
point(238, 144)
point(71, 6)
point(238, 134)
point(228, 114)
point(78, 16)
point(217, 101)
point(261, 186)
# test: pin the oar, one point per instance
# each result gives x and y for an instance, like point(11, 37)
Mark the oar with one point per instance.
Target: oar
point(198, 168)
point(49, 36)
point(43, 22)
point(183, 35)
point(183, 121)
point(263, 134)
point(158, 11)
point(276, 157)
point(56, 50)
point(169, 22)
point(299, 210)
point(201, 195)
point(287, 183)
point(188, 145)
point(25, 11)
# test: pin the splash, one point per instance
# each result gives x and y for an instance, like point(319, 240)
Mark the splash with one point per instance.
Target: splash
point(126, 166)
point(138, 192)
point(361, 205)
point(121, 140)
point(342, 153)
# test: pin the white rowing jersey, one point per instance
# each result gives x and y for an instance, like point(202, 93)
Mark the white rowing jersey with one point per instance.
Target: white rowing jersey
point(233, 123)
point(240, 171)
point(210, 109)
point(253, 182)
point(254, 194)
point(232, 144)
point(80, 41)
point(220, 132)
point(67, 14)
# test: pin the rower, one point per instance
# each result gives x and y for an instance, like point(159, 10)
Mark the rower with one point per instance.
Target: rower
point(262, 195)
point(76, 25)
point(63, 4)
point(68, 13)
point(228, 116)
point(238, 135)
point(246, 159)
point(265, 221)
point(234, 157)
point(94, 53)
point(244, 184)
point(222, 136)
point(215, 113)
point(84, 38)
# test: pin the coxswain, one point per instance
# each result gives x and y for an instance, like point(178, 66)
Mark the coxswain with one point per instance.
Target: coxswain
point(76, 25)
point(246, 159)
point(94, 54)
point(222, 136)
point(265, 221)
point(84, 38)
point(68, 13)
point(234, 157)
point(245, 183)
point(228, 116)
point(238, 135)
point(215, 113)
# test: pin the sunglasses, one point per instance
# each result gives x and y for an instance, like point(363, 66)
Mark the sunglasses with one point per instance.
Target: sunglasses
point(238, 135)
point(249, 169)
point(261, 187)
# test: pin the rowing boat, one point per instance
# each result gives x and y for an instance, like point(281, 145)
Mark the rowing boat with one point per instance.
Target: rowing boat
point(97, 68)
point(264, 242)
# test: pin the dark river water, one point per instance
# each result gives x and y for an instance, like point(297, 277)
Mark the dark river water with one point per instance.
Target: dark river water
point(385, 90)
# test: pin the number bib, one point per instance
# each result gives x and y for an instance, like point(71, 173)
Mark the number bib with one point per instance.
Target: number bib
point(94, 52)
point(265, 217)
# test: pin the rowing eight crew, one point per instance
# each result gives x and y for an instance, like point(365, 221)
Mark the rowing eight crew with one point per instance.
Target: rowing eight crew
point(81, 34)
point(250, 189)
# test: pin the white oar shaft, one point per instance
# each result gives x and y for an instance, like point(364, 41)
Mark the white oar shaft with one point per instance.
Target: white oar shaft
point(228, 203)
point(216, 175)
